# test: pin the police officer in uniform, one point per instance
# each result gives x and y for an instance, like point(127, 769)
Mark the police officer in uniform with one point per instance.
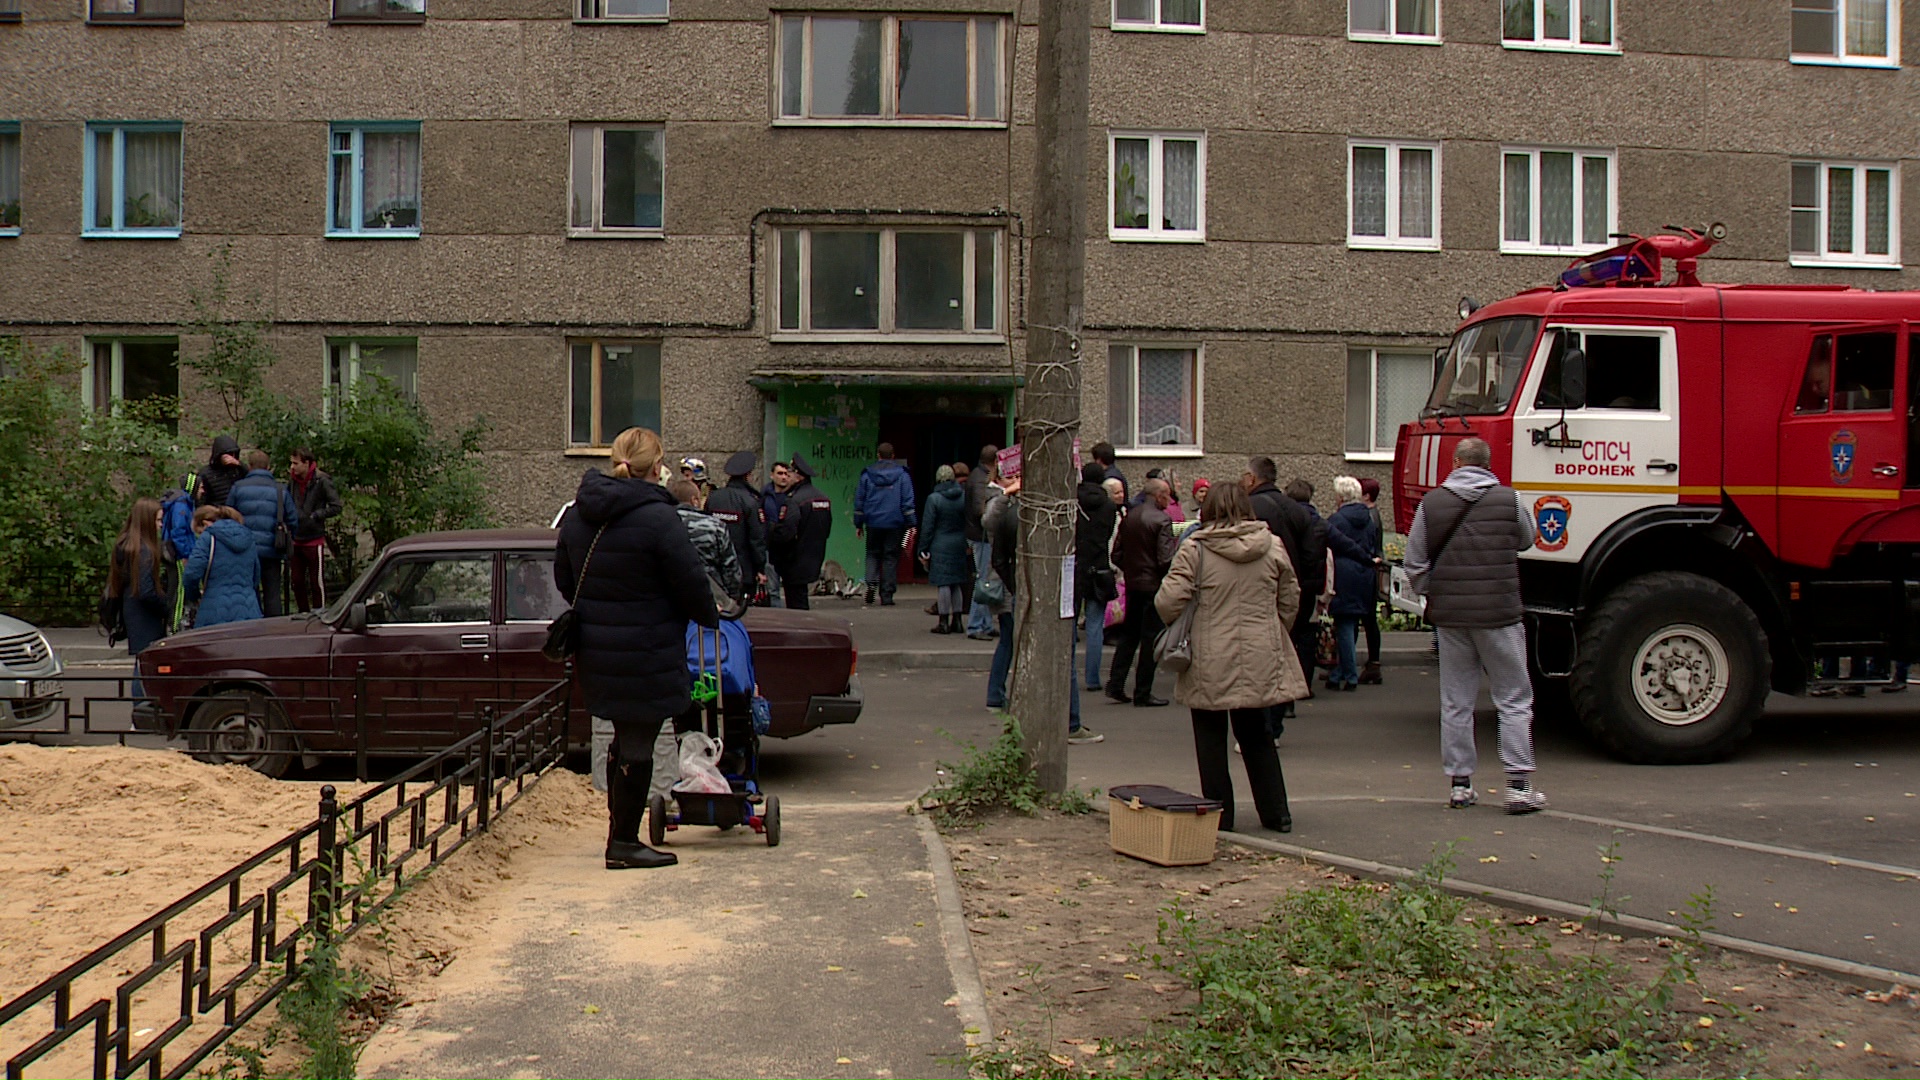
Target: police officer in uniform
point(809, 520)
point(738, 506)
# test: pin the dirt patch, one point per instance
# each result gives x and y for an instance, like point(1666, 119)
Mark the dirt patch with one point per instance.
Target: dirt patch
point(1058, 922)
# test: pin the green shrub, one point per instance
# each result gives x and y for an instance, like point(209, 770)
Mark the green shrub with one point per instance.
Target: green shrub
point(998, 777)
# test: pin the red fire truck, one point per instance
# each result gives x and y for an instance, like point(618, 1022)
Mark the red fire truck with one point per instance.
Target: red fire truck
point(1726, 480)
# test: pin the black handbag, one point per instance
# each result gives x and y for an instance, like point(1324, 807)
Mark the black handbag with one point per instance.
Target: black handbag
point(563, 633)
point(1106, 586)
point(282, 536)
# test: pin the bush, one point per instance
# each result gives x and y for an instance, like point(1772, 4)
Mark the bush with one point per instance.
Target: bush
point(71, 476)
point(998, 777)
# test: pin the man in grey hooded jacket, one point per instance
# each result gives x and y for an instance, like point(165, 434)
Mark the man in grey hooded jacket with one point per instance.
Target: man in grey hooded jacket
point(1463, 556)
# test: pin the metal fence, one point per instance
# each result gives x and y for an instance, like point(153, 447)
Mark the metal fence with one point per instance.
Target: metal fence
point(50, 596)
point(163, 996)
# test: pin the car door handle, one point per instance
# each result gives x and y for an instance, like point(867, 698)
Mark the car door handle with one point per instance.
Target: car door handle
point(473, 641)
point(1884, 469)
point(1656, 465)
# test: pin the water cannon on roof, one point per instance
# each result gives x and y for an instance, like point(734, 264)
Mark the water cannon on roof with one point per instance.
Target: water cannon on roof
point(1640, 259)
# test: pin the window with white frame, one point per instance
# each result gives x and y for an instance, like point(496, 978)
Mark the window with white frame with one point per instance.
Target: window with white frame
point(373, 188)
point(1556, 202)
point(619, 179)
point(164, 12)
point(9, 179)
point(1153, 397)
point(615, 385)
point(133, 179)
point(1846, 32)
point(395, 361)
point(916, 281)
point(1845, 213)
point(1559, 24)
point(1185, 16)
point(1394, 20)
point(623, 10)
point(123, 370)
point(1385, 389)
point(874, 68)
point(377, 11)
point(1393, 195)
point(1159, 189)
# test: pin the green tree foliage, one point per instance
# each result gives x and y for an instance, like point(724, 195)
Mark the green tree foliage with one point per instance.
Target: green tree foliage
point(234, 363)
point(71, 475)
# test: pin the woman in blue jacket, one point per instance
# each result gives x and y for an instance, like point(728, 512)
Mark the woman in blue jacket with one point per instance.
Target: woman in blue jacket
point(224, 569)
point(1354, 538)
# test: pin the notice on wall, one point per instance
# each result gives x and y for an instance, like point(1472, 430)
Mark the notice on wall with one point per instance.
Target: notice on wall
point(1066, 586)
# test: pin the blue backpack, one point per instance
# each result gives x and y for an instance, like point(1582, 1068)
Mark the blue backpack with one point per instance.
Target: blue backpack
point(176, 523)
point(736, 655)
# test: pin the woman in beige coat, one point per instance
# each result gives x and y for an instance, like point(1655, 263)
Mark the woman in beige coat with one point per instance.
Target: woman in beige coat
point(1243, 659)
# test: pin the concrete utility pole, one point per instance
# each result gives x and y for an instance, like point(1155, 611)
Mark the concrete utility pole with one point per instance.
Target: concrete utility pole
point(1050, 402)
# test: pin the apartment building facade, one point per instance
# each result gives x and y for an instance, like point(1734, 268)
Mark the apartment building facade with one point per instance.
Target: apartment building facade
point(803, 229)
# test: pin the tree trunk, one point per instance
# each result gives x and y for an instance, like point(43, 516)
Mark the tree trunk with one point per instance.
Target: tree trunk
point(1049, 412)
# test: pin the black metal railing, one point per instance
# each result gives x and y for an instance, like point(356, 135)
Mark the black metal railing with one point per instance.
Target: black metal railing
point(163, 996)
point(50, 595)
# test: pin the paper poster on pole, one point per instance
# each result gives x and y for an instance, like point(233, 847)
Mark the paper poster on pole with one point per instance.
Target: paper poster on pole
point(1066, 586)
point(1008, 461)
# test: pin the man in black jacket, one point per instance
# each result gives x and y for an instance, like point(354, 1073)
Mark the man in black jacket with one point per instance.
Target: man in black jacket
point(313, 492)
point(1143, 553)
point(1287, 519)
point(978, 487)
point(1093, 576)
point(810, 521)
point(739, 507)
point(218, 475)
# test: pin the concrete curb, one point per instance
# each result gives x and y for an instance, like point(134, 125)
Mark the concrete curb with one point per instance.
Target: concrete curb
point(894, 660)
point(977, 1026)
point(1862, 974)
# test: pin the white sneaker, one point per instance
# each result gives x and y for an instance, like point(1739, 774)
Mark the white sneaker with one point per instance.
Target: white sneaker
point(1525, 801)
point(1461, 796)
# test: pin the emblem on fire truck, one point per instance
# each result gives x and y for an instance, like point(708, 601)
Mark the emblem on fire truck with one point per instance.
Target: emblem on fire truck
point(1840, 453)
point(1550, 515)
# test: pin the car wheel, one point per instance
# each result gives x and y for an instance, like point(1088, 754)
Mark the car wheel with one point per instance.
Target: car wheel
point(657, 820)
point(242, 727)
point(1673, 670)
point(771, 814)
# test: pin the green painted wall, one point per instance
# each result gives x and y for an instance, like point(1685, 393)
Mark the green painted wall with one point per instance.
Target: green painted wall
point(835, 428)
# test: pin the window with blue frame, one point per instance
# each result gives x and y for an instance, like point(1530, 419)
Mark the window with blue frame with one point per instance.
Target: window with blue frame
point(373, 186)
point(133, 179)
point(9, 179)
point(619, 179)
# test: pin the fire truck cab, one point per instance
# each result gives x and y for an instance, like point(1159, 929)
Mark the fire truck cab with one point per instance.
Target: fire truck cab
point(1726, 481)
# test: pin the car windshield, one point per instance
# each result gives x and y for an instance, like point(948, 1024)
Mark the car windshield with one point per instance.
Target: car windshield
point(338, 606)
point(1483, 367)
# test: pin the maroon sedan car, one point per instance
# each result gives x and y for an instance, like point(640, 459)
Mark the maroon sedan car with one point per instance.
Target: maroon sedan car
point(441, 626)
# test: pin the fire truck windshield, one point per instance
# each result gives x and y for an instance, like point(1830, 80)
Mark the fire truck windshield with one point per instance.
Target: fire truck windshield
point(1482, 368)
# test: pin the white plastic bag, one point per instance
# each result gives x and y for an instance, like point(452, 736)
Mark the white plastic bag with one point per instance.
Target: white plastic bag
point(700, 765)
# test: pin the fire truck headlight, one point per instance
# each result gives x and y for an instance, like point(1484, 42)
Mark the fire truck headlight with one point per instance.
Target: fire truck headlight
point(1468, 305)
point(1717, 231)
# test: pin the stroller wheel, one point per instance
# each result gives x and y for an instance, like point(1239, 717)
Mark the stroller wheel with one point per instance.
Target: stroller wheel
point(772, 818)
point(657, 820)
point(726, 828)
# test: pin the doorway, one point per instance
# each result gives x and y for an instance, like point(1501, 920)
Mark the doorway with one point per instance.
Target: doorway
point(933, 427)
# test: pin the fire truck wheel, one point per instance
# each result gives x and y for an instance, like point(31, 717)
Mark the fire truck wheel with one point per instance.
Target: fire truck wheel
point(1673, 670)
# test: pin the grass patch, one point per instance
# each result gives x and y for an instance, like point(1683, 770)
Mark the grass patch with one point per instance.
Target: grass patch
point(1365, 979)
point(995, 777)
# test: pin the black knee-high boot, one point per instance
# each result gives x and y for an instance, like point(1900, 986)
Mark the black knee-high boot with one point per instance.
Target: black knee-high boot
point(626, 808)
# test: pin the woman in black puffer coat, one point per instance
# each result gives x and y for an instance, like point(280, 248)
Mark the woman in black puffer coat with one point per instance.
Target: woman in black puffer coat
point(626, 562)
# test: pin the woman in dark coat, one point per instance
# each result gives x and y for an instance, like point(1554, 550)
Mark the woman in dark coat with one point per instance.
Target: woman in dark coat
point(134, 577)
point(224, 569)
point(1354, 538)
point(943, 542)
point(625, 562)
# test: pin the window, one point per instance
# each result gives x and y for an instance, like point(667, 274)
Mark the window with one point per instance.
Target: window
point(1845, 214)
point(616, 385)
point(531, 594)
point(1481, 369)
point(140, 11)
point(1623, 371)
point(1559, 24)
point(1384, 390)
point(396, 360)
point(393, 11)
point(1850, 373)
point(1153, 397)
point(942, 282)
point(1863, 32)
point(9, 11)
point(883, 68)
point(1185, 16)
point(1556, 202)
point(448, 589)
point(373, 188)
point(1394, 20)
point(9, 179)
point(619, 181)
point(623, 10)
point(1159, 187)
point(130, 370)
point(1394, 196)
point(133, 180)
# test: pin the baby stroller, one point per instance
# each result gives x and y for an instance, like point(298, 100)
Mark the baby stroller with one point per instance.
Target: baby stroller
point(734, 716)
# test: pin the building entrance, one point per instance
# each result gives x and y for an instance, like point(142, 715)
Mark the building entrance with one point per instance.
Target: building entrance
point(931, 427)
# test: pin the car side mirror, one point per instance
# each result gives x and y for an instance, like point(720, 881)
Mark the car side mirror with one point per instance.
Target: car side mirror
point(356, 618)
point(1440, 359)
point(1573, 379)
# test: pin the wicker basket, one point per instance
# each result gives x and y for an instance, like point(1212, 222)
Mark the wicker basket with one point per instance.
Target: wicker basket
point(1162, 826)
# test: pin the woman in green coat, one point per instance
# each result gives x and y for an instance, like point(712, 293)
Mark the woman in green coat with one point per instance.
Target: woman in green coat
point(943, 545)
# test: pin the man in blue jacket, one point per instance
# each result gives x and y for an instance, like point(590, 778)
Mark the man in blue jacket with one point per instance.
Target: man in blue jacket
point(883, 512)
point(265, 505)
